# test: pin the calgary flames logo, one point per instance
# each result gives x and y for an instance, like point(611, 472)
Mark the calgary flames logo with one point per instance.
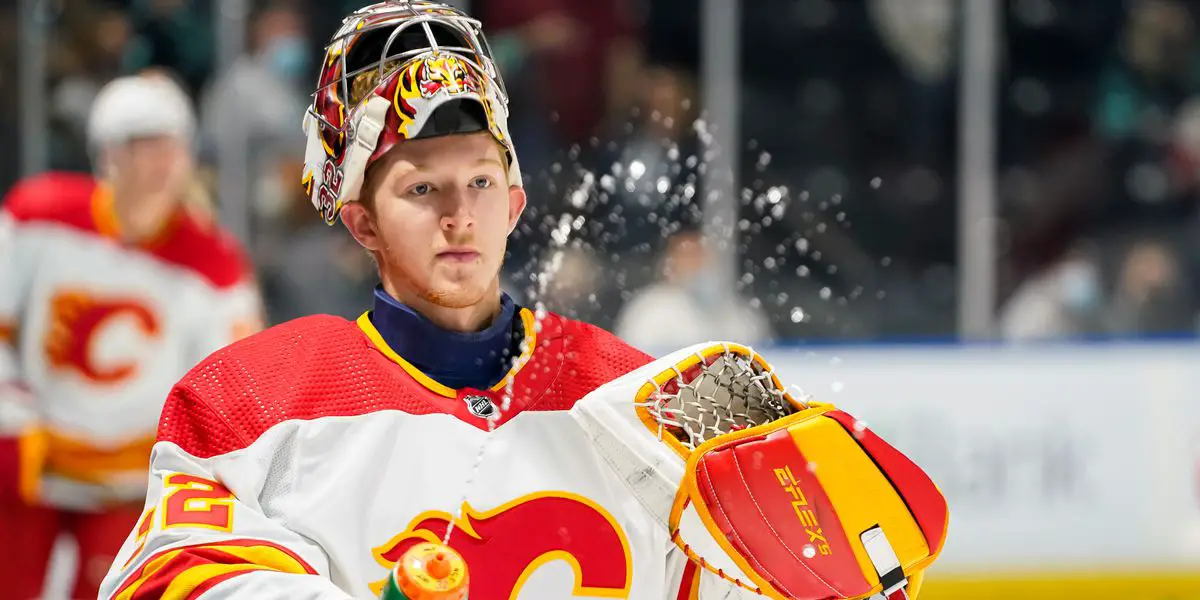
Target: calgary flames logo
point(77, 319)
point(505, 545)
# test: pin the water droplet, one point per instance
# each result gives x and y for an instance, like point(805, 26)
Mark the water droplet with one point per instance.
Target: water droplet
point(837, 387)
point(826, 293)
point(876, 182)
point(836, 199)
point(885, 261)
point(769, 262)
point(608, 183)
point(880, 294)
point(809, 551)
point(578, 198)
point(802, 271)
point(841, 216)
point(637, 168)
point(821, 227)
point(797, 314)
point(775, 194)
point(663, 185)
point(764, 159)
point(802, 245)
point(860, 426)
point(811, 466)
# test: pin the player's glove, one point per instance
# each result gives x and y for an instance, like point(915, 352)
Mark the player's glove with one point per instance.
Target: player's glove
point(816, 506)
point(793, 500)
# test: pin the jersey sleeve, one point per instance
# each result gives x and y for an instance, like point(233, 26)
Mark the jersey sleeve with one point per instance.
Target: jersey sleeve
point(213, 528)
point(13, 284)
point(234, 313)
point(21, 440)
point(233, 309)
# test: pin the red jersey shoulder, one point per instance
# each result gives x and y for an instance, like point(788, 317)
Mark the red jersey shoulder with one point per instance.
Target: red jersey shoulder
point(591, 357)
point(206, 249)
point(53, 198)
point(309, 368)
point(192, 242)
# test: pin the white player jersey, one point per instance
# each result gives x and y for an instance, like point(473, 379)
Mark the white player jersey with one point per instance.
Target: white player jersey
point(98, 331)
point(303, 461)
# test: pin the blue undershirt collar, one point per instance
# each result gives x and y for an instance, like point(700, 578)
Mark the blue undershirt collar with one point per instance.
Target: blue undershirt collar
point(454, 359)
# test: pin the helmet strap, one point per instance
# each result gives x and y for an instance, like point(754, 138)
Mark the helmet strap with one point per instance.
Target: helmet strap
point(368, 128)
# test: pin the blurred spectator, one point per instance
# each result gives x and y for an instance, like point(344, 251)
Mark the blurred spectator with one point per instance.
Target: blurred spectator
point(309, 268)
point(263, 96)
point(570, 283)
point(1151, 296)
point(99, 56)
point(921, 34)
point(1156, 70)
point(648, 182)
point(176, 34)
point(1066, 300)
point(690, 305)
point(575, 61)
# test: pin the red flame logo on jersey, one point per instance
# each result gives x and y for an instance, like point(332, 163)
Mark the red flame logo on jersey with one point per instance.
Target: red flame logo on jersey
point(77, 318)
point(505, 545)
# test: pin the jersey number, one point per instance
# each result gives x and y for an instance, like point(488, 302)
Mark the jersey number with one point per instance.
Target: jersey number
point(504, 546)
point(192, 501)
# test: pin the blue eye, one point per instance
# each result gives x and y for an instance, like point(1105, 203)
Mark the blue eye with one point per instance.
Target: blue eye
point(481, 183)
point(421, 189)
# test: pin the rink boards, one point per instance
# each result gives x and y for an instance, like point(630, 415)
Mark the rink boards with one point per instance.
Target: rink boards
point(1072, 470)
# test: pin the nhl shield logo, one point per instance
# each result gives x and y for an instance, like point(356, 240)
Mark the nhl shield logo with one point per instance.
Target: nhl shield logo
point(480, 406)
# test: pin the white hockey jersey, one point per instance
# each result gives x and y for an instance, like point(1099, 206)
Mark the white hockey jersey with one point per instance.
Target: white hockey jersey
point(95, 332)
point(300, 463)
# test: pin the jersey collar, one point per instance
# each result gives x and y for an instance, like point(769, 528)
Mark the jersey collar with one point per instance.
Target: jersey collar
point(444, 360)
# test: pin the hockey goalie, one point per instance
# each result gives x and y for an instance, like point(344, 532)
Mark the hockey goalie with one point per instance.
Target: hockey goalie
point(546, 458)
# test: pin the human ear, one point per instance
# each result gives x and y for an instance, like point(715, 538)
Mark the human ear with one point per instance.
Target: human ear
point(361, 226)
point(516, 206)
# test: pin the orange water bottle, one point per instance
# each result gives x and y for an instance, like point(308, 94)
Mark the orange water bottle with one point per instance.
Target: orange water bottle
point(427, 571)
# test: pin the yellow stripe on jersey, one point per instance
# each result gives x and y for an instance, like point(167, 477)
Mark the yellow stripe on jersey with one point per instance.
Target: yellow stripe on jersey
point(177, 573)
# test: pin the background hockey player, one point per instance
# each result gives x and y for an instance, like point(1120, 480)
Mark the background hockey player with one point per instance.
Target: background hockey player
point(303, 461)
point(110, 289)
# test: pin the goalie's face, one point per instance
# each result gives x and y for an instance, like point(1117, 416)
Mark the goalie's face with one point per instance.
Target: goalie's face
point(436, 213)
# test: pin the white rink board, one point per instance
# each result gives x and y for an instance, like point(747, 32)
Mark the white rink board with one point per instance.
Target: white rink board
point(1052, 457)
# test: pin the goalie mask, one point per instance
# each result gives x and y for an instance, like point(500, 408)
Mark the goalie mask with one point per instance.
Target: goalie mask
point(398, 70)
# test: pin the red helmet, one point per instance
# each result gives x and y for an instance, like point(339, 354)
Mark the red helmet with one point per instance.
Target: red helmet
point(397, 70)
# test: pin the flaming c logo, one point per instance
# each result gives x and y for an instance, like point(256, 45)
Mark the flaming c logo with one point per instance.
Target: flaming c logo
point(77, 318)
point(505, 545)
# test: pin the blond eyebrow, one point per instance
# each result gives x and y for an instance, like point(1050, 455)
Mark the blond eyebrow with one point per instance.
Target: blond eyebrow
point(485, 160)
point(417, 166)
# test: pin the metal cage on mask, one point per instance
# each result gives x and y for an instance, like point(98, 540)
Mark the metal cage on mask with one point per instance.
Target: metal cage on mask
point(426, 57)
